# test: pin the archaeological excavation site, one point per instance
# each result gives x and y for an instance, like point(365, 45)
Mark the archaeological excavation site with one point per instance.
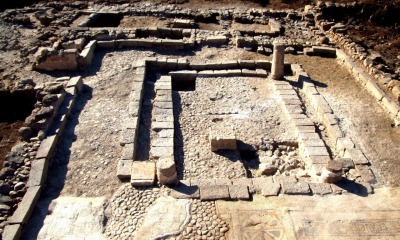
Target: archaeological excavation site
point(185, 119)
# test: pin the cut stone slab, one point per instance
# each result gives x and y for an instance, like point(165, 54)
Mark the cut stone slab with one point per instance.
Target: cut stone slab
point(161, 152)
point(214, 192)
point(163, 142)
point(166, 171)
point(271, 189)
point(185, 191)
point(222, 139)
point(38, 172)
point(315, 151)
point(319, 159)
point(12, 232)
point(26, 206)
point(70, 218)
point(299, 188)
point(127, 151)
point(165, 218)
point(260, 182)
point(143, 173)
point(158, 126)
point(124, 168)
point(127, 136)
point(166, 133)
point(46, 147)
point(356, 155)
point(244, 182)
point(344, 143)
point(320, 188)
point(239, 192)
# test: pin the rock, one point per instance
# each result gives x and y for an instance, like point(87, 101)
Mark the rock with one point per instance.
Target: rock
point(55, 88)
point(324, 40)
point(290, 50)
point(44, 112)
point(4, 188)
point(4, 209)
point(19, 186)
point(49, 99)
point(4, 199)
point(25, 133)
point(267, 169)
point(334, 166)
point(14, 160)
point(6, 172)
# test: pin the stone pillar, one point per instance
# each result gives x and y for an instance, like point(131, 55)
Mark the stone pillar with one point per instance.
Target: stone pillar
point(278, 58)
point(166, 171)
point(332, 172)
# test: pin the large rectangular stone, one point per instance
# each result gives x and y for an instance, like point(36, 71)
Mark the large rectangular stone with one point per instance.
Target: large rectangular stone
point(312, 143)
point(185, 191)
point(356, 155)
point(26, 206)
point(164, 118)
point(38, 172)
point(259, 182)
point(128, 151)
point(320, 188)
point(244, 182)
point(162, 111)
point(215, 192)
point(272, 189)
point(298, 188)
point(166, 133)
point(344, 143)
point(163, 142)
point(239, 192)
point(293, 109)
point(162, 152)
point(165, 105)
point(315, 151)
point(76, 82)
point(302, 122)
point(303, 136)
point(391, 106)
point(143, 173)
point(127, 136)
point(47, 147)
point(334, 132)
point(319, 159)
point(12, 232)
point(158, 126)
point(124, 168)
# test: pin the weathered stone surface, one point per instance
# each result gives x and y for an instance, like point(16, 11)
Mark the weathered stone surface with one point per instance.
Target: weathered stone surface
point(25, 208)
point(124, 169)
point(315, 151)
point(214, 192)
point(127, 136)
point(356, 155)
point(163, 142)
point(222, 140)
point(12, 232)
point(272, 189)
point(334, 166)
point(143, 173)
point(239, 192)
point(76, 82)
point(299, 188)
point(344, 143)
point(166, 171)
point(165, 218)
point(185, 191)
point(347, 162)
point(277, 70)
point(128, 151)
point(46, 147)
point(161, 152)
point(158, 126)
point(244, 182)
point(38, 172)
point(260, 182)
point(320, 188)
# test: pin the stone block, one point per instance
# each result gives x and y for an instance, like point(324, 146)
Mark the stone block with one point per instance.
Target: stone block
point(26, 206)
point(344, 143)
point(143, 173)
point(319, 159)
point(356, 155)
point(329, 119)
point(285, 179)
point(315, 151)
point(162, 111)
point(324, 51)
point(292, 101)
point(166, 133)
point(293, 109)
point(185, 191)
point(302, 122)
point(106, 44)
point(12, 232)
point(259, 182)
point(239, 192)
point(215, 192)
point(130, 123)
point(222, 139)
point(272, 189)
point(375, 91)
point(264, 64)
point(244, 182)
point(162, 152)
point(304, 129)
point(134, 109)
point(128, 151)
point(124, 168)
point(38, 172)
point(298, 188)
point(76, 82)
point(346, 162)
point(304, 136)
point(158, 126)
point(86, 56)
point(163, 142)
point(164, 118)
point(311, 143)
point(391, 106)
point(320, 188)
point(47, 147)
point(166, 171)
point(334, 132)
point(216, 40)
point(127, 136)
point(286, 92)
point(247, 64)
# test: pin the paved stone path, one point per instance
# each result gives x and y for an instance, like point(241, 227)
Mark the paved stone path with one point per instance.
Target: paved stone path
point(167, 217)
point(71, 218)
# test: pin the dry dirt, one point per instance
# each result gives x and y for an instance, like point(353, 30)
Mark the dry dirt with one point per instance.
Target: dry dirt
point(141, 22)
point(9, 136)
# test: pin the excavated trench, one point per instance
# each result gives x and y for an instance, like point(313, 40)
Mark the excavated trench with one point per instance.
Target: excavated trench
point(14, 108)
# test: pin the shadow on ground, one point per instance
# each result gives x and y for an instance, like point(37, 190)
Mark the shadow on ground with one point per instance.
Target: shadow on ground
point(58, 168)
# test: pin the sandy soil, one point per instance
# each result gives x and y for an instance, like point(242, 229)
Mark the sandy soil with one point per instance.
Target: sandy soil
point(141, 22)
